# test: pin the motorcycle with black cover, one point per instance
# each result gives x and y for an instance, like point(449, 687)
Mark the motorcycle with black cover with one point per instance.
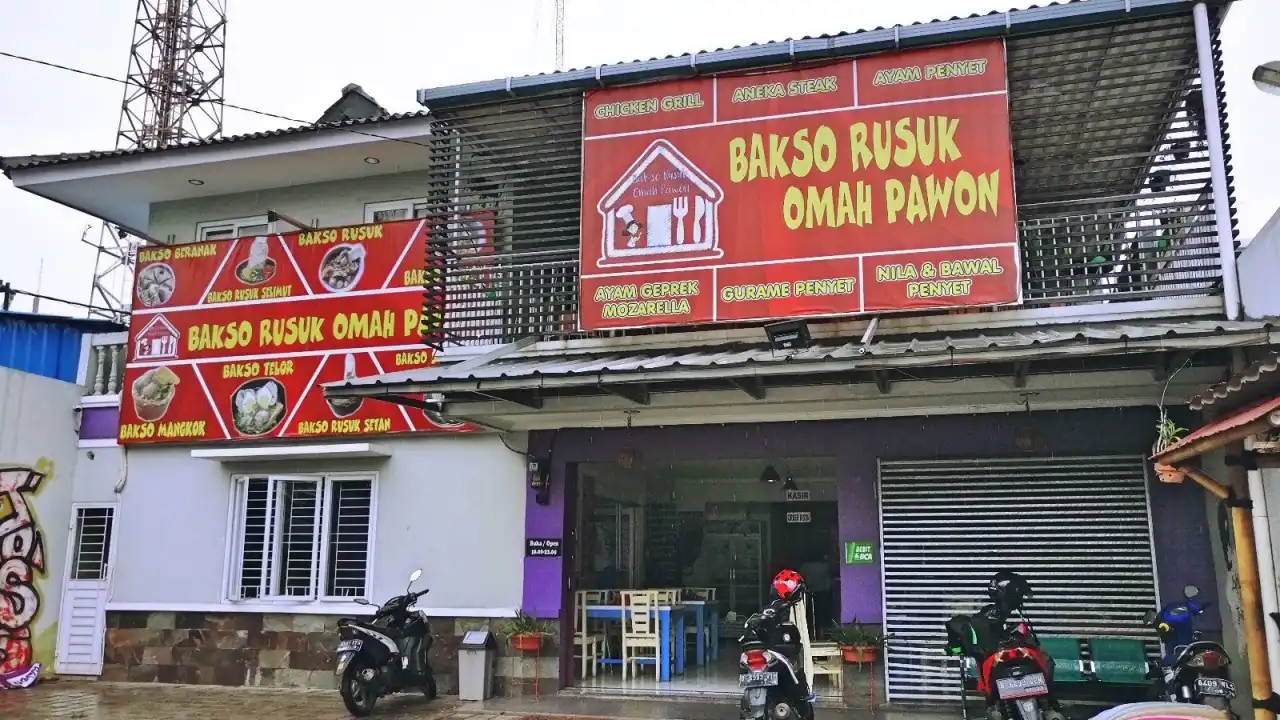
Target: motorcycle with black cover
point(385, 654)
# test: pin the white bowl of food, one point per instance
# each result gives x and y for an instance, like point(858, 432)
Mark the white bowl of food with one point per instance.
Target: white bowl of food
point(342, 267)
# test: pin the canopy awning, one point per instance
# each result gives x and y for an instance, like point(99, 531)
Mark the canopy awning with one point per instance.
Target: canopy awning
point(1262, 416)
point(550, 378)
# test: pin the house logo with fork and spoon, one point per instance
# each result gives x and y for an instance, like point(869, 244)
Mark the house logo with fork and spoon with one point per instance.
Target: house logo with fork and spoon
point(663, 209)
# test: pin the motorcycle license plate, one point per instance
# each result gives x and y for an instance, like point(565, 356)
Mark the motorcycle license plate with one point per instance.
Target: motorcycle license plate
point(350, 646)
point(1217, 687)
point(344, 659)
point(1011, 688)
point(757, 679)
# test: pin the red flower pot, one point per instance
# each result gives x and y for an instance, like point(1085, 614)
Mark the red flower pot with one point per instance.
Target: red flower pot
point(859, 653)
point(526, 642)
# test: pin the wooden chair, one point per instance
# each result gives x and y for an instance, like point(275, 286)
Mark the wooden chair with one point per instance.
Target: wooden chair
point(596, 626)
point(589, 644)
point(666, 596)
point(819, 658)
point(639, 631)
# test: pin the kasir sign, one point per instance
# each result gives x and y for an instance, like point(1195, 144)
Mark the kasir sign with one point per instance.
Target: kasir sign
point(870, 185)
point(234, 339)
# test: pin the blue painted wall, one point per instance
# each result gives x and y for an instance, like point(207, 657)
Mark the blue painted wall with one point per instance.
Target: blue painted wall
point(46, 345)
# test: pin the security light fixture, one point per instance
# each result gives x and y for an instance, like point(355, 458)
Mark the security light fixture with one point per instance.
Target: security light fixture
point(789, 335)
point(770, 475)
point(372, 160)
point(1267, 77)
point(196, 181)
point(540, 480)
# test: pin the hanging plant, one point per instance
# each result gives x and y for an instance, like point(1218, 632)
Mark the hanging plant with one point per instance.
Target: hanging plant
point(1167, 431)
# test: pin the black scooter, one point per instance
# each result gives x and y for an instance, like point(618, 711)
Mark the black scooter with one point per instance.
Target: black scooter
point(771, 675)
point(385, 654)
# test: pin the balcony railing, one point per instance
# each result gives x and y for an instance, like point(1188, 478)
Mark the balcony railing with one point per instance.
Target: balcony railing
point(102, 366)
point(1111, 169)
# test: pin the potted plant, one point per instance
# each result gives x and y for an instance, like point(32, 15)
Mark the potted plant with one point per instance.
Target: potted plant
point(858, 643)
point(524, 632)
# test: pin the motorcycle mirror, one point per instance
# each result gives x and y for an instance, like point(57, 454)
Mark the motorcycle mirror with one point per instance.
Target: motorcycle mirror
point(362, 601)
point(1190, 591)
point(413, 576)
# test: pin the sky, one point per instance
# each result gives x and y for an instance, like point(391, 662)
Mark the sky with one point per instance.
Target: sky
point(292, 58)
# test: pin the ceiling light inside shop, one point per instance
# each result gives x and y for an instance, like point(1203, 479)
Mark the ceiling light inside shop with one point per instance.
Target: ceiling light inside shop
point(372, 160)
point(770, 475)
point(195, 181)
point(790, 485)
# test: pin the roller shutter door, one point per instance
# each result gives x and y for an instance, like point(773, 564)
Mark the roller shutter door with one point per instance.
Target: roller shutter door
point(1077, 527)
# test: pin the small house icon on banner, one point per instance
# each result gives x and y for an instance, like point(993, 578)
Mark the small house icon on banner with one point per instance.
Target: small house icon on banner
point(157, 341)
point(664, 209)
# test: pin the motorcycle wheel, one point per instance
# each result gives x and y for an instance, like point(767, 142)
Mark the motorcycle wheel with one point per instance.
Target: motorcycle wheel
point(1219, 703)
point(429, 687)
point(780, 711)
point(356, 693)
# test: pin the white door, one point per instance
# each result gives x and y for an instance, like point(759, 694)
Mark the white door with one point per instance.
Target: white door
point(82, 618)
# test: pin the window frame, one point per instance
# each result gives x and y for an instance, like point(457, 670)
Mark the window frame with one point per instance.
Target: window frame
point(235, 223)
point(234, 552)
point(406, 204)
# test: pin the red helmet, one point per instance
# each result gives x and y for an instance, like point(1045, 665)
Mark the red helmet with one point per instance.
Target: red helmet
point(788, 584)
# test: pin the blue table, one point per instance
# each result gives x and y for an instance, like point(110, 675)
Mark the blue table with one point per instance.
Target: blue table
point(665, 618)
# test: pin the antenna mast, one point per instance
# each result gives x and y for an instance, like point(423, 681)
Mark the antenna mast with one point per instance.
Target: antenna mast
point(173, 95)
point(559, 35)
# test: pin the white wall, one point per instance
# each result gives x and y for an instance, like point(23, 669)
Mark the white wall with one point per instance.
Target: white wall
point(326, 204)
point(452, 505)
point(36, 433)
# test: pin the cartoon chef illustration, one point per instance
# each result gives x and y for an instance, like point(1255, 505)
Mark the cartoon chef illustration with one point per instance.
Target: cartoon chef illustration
point(630, 226)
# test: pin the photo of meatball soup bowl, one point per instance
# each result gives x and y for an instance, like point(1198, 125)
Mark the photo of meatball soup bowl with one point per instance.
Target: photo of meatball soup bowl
point(152, 393)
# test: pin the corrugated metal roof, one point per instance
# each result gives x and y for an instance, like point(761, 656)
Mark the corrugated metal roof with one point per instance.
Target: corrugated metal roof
point(1037, 18)
point(1258, 410)
point(915, 351)
point(32, 161)
point(46, 345)
point(1238, 383)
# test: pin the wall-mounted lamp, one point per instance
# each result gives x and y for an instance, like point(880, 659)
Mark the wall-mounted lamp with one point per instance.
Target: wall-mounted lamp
point(789, 335)
point(540, 480)
point(1267, 77)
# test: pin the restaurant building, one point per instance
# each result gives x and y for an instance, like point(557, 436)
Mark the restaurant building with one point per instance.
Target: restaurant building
point(897, 308)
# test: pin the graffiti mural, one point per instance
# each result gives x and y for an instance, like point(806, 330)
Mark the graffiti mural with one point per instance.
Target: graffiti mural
point(22, 569)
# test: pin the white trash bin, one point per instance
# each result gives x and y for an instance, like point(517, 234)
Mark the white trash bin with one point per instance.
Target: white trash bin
point(476, 656)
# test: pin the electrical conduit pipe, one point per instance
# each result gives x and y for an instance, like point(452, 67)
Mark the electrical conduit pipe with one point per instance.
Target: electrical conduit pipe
point(1266, 570)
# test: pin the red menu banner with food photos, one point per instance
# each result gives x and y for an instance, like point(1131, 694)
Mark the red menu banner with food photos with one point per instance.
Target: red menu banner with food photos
point(234, 339)
point(871, 185)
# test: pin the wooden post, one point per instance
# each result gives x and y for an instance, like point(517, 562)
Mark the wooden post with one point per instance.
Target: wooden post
point(1250, 586)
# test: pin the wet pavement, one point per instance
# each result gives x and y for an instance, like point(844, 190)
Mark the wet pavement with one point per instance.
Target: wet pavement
point(87, 700)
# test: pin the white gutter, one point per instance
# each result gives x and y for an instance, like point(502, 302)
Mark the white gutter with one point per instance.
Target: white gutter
point(1217, 164)
point(1266, 568)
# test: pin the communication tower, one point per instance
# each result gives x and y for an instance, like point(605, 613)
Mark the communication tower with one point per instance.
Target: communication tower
point(173, 95)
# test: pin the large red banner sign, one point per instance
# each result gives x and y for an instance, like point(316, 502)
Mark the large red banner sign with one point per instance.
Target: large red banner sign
point(871, 185)
point(234, 339)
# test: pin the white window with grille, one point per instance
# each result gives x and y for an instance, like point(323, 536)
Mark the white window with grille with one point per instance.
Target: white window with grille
point(91, 548)
point(299, 538)
point(233, 228)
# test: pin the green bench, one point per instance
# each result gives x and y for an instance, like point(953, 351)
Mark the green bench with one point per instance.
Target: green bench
point(1112, 661)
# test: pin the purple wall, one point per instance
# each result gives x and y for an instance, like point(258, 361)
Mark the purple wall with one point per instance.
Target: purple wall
point(99, 423)
point(1181, 534)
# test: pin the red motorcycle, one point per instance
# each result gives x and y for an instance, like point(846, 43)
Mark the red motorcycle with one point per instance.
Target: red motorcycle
point(1014, 674)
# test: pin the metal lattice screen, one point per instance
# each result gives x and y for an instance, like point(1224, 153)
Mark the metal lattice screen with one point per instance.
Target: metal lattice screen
point(1077, 527)
point(1112, 182)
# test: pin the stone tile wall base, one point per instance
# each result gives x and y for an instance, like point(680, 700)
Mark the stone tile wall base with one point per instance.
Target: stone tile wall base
point(270, 650)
